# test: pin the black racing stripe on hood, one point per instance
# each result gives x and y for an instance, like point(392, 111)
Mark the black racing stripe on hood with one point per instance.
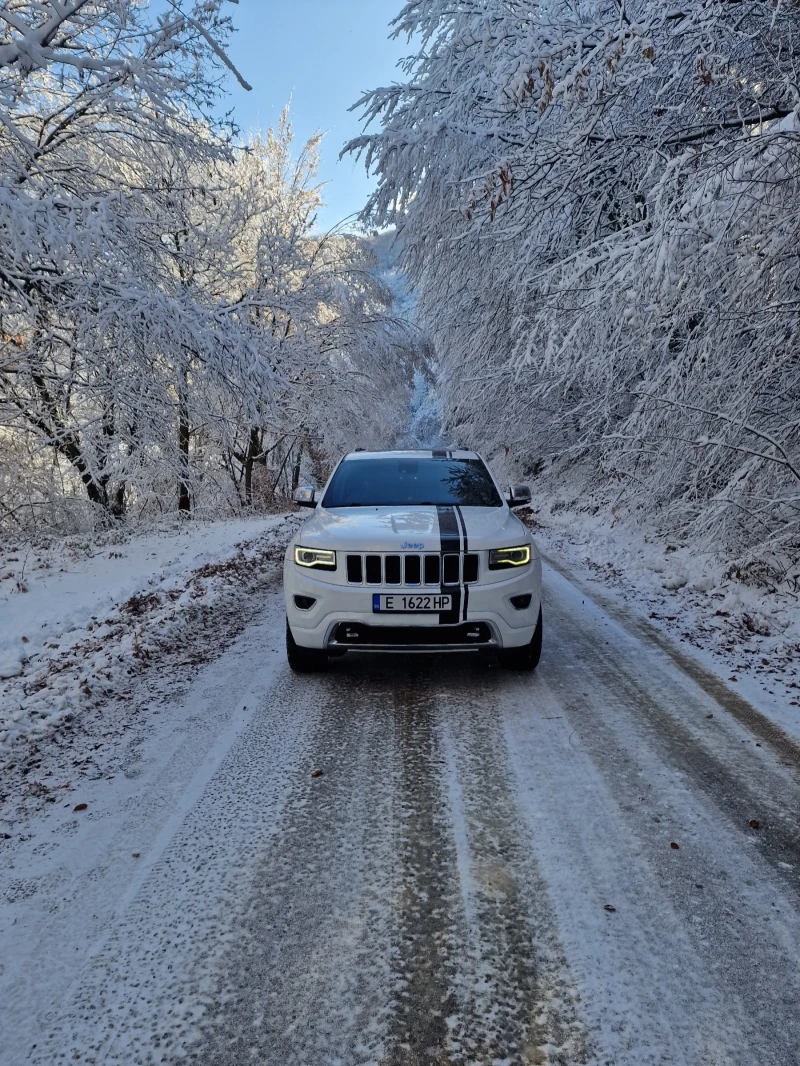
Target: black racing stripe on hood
point(439, 453)
point(449, 529)
point(450, 542)
point(463, 525)
point(465, 548)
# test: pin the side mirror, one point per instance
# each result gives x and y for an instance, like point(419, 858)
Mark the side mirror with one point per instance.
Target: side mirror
point(304, 496)
point(518, 495)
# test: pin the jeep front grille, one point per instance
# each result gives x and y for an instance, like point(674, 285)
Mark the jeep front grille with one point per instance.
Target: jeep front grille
point(412, 570)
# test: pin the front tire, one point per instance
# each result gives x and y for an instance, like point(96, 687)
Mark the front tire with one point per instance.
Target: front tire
point(304, 660)
point(527, 657)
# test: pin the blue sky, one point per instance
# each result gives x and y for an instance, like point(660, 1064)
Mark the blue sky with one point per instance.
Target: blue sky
point(323, 54)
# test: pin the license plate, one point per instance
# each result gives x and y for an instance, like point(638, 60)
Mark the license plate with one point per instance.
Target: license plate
point(410, 603)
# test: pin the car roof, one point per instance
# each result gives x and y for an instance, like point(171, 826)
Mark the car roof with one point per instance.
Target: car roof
point(437, 453)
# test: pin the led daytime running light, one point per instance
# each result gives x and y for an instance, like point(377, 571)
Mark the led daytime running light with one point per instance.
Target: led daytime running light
point(499, 558)
point(319, 557)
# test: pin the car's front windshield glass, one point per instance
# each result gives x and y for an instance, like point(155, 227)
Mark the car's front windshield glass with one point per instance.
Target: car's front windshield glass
point(411, 481)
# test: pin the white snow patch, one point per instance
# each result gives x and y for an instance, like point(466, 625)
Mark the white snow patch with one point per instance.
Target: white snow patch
point(749, 635)
point(76, 618)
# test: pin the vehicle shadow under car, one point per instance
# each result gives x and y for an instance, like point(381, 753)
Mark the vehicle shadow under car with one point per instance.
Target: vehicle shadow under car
point(448, 669)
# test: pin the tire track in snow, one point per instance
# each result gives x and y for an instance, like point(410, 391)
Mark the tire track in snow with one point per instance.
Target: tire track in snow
point(650, 636)
point(696, 967)
point(426, 920)
point(481, 977)
point(304, 979)
point(521, 1007)
point(128, 946)
point(719, 758)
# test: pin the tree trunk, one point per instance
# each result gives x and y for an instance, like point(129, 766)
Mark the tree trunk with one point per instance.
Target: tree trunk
point(67, 443)
point(296, 468)
point(184, 500)
point(118, 501)
point(253, 455)
point(95, 490)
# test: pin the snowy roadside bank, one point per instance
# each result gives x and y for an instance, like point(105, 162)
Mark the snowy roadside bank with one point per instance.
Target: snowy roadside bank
point(78, 619)
point(748, 635)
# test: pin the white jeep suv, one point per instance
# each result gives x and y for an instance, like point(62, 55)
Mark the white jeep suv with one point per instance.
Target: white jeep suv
point(412, 551)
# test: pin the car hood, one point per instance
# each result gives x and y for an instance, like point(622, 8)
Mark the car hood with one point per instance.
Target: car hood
point(388, 529)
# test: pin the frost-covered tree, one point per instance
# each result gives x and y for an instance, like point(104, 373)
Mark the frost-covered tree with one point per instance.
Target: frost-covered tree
point(171, 323)
point(597, 205)
point(90, 92)
point(341, 361)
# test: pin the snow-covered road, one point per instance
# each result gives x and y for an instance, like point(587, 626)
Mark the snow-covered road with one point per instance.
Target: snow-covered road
point(598, 863)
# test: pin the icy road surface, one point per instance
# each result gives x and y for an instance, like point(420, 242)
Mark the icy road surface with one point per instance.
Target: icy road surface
point(598, 863)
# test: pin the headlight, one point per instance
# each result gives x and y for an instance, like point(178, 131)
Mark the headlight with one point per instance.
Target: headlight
point(501, 558)
point(320, 558)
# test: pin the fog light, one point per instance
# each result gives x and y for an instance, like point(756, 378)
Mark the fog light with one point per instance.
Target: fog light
point(305, 603)
point(349, 632)
point(521, 602)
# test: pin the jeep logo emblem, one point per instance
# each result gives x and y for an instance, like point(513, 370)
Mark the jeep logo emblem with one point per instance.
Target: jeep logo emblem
point(412, 545)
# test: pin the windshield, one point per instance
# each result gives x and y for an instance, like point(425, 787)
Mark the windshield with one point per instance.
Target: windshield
point(407, 480)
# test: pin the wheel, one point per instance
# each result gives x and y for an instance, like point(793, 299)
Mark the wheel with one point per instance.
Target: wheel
point(304, 660)
point(527, 657)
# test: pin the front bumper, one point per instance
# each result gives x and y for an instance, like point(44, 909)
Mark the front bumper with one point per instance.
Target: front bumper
point(489, 603)
point(466, 636)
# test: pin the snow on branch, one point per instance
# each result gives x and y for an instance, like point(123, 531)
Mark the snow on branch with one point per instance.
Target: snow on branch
point(598, 209)
point(168, 313)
